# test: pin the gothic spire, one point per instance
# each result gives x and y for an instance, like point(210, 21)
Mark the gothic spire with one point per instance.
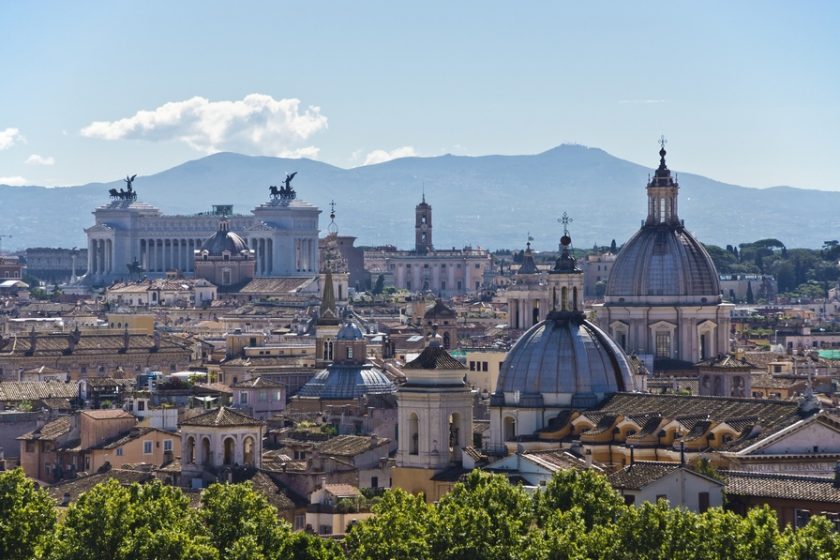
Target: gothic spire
point(329, 313)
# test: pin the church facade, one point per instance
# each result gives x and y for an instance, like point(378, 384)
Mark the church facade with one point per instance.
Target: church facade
point(132, 235)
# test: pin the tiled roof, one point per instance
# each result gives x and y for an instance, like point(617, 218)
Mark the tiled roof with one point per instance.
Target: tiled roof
point(350, 446)
point(770, 415)
point(222, 416)
point(273, 285)
point(274, 492)
point(439, 310)
point(133, 434)
point(785, 486)
point(107, 414)
point(640, 474)
point(36, 390)
point(258, 383)
point(342, 490)
point(555, 459)
point(51, 430)
point(88, 344)
point(434, 357)
point(77, 486)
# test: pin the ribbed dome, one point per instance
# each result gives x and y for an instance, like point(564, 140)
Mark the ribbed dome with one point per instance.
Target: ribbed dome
point(663, 260)
point(224, 240)
point(562, 361)
point(348, 382)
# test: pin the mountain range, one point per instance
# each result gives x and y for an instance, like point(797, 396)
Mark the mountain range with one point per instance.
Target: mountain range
point(487, 201)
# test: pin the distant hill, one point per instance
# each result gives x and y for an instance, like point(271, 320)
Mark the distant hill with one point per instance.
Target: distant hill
point(488, 201)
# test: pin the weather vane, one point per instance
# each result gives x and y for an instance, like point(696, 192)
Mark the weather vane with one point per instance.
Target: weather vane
point(662, 141)
point(565, 220)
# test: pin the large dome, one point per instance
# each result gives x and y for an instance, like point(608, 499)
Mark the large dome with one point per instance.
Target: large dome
point(347, 382)
point(663, 260)
point(564, 361)
point(663, 263)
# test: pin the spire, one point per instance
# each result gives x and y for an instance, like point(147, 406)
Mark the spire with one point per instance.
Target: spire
point(333, 227)
point(566, 262)
point(528, 265)
point(329, 313)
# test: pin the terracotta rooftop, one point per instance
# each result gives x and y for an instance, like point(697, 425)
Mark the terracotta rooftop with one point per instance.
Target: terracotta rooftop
point(52, 345)
point(78, 486)
point(727, 361)
point(222, 416)
point(51, 430)
point(107, 414)
point(784, 486)
point(36, 390)
point(258, 383)
point(350, 446)
point(276, 494)
point(342, 490)
point(641, 474)
point(770, 415)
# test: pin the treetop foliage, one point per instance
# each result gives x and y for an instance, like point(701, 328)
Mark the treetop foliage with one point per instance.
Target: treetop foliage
point(577, 516)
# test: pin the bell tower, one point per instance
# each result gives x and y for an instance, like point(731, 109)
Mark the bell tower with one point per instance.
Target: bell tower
point(565, 280)
point(423, 227)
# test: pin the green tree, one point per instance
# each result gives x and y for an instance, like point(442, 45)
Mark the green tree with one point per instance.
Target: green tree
point(233, 512)
point(750, 296)
point(588, 490)
point(400, 529)
point(818, 540)
point(484, 517)
point(27, 515)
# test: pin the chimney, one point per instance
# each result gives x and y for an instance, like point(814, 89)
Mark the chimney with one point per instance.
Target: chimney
point(682, 453)
point(587, 455)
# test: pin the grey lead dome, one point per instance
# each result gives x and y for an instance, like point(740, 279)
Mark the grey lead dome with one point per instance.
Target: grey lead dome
point(562, 361)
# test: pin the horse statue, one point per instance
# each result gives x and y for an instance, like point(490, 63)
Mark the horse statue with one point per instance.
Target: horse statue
point(113, 193)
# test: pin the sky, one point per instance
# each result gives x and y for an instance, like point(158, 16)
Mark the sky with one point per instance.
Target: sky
point(745, 92)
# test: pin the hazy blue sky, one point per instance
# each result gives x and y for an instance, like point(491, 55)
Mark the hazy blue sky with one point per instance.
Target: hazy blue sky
point(746, 92)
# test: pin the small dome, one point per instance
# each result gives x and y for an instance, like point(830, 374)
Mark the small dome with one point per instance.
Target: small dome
point(223, 241)
point(347, 382)
point(562, 361)
point(349, 331)
point(663, 260)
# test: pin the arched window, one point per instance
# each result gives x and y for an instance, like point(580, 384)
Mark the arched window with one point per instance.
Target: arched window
point(413, 435)
point(229, 447)
point(509, 431)
point(248, 452)
point(205, 452)
point(190, 454)
point(574, 298)
point(447, 341)
point(564, 298)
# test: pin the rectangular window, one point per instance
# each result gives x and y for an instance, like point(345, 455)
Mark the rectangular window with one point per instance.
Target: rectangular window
point(147, 447)
point(167, 445)
point(483, 366)
point(703, 501)
point(243, 397)
point(30, 447)
point(119, 452)
point(629, 499)
point(300, 522)
point(374, 482)
point(472, 365)
point(663, 345)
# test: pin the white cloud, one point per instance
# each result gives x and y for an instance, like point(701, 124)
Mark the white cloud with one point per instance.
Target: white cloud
point(256, 124)
point(36, 159)
point(16, 181)
point(10, 137)
point(381, 156)
point(310, 152)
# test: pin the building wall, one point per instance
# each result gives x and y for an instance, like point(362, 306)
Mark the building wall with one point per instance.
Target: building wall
point(133, 452)
point(483, 368)
point(681, 489)
point(95, 431)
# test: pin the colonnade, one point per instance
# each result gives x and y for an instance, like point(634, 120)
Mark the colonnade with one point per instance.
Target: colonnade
point(160, 255)
point(263, 248)
point(100, 256)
